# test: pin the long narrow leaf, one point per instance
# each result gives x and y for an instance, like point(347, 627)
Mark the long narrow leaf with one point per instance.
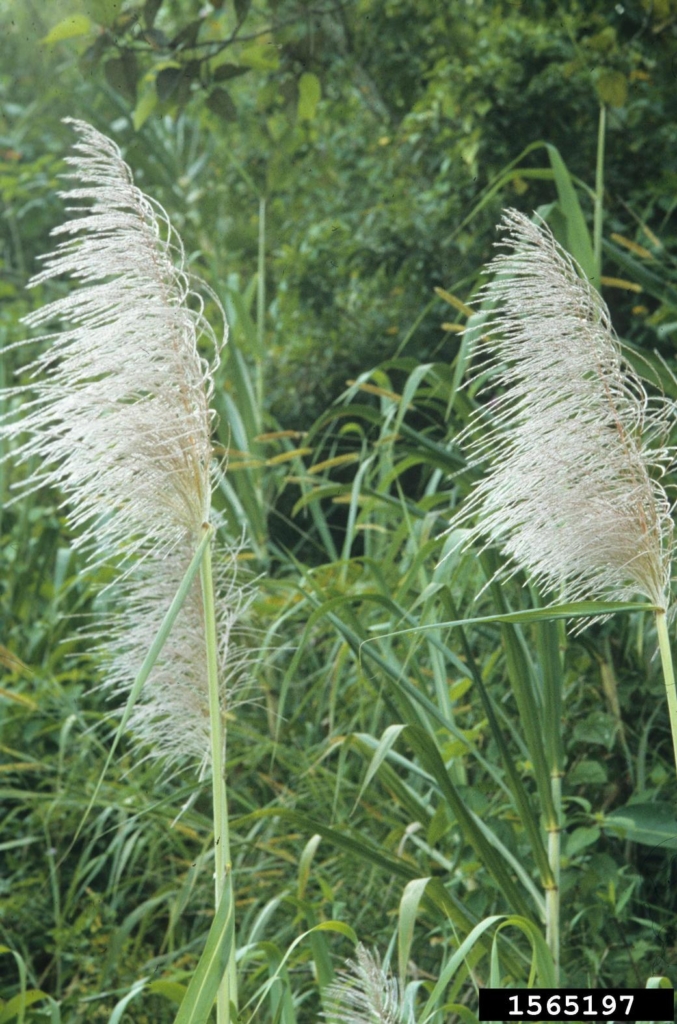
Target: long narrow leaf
point(529, 703)
point(575, 610)
point(199, 999)
point(578, 240)
point(515, 782)
point(427, 753)
point(146, 668)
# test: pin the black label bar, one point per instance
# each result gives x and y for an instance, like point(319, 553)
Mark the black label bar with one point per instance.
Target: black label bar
point(577, 1005)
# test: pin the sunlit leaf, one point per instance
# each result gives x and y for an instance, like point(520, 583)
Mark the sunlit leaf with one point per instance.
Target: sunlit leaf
point(310, 92)
point(72, 26)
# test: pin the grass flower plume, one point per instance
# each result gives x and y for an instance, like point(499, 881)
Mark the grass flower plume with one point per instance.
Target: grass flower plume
point(571, 445)
point(115, 414)
point(365, 994)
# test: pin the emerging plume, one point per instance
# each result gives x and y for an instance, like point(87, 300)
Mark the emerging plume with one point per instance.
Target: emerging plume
point(572, 445)
point(365, 994)
point(116, 415)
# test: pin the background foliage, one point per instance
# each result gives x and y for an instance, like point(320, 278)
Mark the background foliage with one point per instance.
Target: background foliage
point(336, 171)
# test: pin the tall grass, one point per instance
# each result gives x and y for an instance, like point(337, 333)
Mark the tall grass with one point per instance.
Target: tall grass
point(116, 414)
point(425, 768)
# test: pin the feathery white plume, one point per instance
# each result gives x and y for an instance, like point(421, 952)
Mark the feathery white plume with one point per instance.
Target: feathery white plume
point(365, 994)
point(573, 446)
point(118, 418)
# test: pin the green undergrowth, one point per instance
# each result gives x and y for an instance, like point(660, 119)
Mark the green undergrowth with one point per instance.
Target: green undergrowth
point(390, 757)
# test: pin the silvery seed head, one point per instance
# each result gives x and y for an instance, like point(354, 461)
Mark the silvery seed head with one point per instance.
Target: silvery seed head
point(115, 414)
point(365, 994)
point(572, 447)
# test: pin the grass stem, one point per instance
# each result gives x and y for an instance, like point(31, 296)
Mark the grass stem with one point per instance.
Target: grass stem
point(552, 901)
point(599, 194)
point(261, 310)
point(227, 993)
point(668, 674)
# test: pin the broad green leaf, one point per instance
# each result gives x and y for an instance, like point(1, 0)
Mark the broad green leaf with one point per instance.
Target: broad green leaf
point(145, 106)
point(579, 839)
point(72, 26)
point(648, 824)
point(104, 12)
point(353, 509)
point(262, 56)
point(577, 240)
point(221, 104)
point(226, 71)
point(167, 81)
point(186, 38)
point(324, 972)
point(171, 990)
point(122, 73)
point(586, 772)
point(16, 1006)
point(310, 92)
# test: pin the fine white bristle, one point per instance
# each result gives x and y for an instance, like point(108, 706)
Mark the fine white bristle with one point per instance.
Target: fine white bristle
point(571, 446)
point(364, 993)
point(115, 414)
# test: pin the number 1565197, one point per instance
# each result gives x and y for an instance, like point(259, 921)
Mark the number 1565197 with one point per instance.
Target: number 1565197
point(576, 1004)
point(524, 1005)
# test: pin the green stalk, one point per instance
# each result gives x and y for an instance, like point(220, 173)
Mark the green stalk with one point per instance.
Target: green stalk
point(552, 892)
point(227, 992)
point(261, 308)
point(668, 674)
point(146, 668)
point(599, 193)
point(550, 657)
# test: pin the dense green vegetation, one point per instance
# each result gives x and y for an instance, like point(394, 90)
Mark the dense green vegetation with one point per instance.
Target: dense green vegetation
point(336, 171)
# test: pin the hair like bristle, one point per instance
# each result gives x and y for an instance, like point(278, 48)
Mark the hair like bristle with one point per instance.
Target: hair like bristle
point(364, 993)
point(171, 718)
point(115, 413)
point(571, 445)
